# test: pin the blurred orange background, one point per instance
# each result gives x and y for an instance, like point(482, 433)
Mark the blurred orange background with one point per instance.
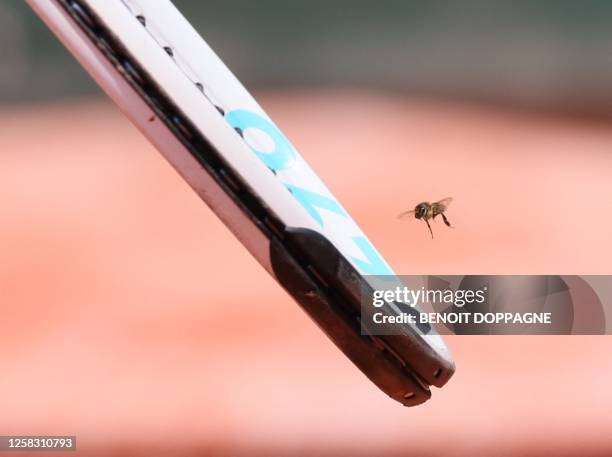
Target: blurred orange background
point(133, 319)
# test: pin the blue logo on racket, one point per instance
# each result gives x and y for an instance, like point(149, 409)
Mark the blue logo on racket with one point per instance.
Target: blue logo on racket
point(282, 157)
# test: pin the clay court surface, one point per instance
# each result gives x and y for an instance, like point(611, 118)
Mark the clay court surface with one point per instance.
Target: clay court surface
point(133, 319)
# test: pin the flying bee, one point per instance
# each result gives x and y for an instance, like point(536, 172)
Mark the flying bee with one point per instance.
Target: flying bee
point(427, 211)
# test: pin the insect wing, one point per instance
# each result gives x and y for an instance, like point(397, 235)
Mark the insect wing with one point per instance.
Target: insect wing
point(443, 204)
point(406, 214)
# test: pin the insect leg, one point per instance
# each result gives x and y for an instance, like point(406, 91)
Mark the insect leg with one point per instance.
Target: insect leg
point(446, 220)
point(429, 227)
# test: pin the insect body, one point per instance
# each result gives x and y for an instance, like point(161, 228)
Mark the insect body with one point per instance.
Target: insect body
point(427, 211)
